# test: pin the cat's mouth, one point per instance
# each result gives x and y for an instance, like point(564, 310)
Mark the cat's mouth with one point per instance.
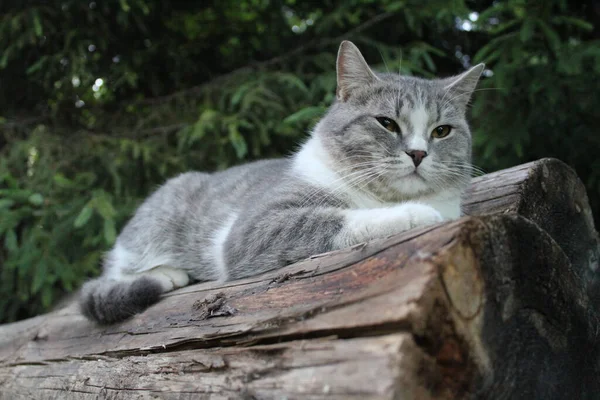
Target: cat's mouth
point(411, 175)
point(415, 175)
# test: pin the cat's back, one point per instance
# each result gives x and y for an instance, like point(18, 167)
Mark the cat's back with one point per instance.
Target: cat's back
point(216, 191)
point(248, 179)
point(202, 199)
point(254, 172)
point(222, 190)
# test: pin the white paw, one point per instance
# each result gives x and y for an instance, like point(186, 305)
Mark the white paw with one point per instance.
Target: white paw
point(170, 278)
point(366, 224)
point(418, 215)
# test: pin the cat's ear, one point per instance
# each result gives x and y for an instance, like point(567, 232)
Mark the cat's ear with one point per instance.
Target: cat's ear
point(353, 72)
point(462, 86)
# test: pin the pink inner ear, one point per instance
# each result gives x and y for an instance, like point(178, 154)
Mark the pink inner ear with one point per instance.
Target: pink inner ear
point(342, 74)
point(352, 71)
point(468, 79)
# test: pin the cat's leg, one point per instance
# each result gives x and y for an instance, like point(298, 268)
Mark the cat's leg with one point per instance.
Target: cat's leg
point(274, 238)
point(149, 256)
point(123, 290)
point(367, 224)
point(123, 264)
point(169, 278)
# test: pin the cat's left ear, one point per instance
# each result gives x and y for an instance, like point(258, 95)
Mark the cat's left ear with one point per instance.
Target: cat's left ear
point(463, 85)
point(353, 72)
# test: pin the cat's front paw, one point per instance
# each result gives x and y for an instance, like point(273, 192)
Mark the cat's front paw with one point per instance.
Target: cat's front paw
point(367, 224)
point(418, 215)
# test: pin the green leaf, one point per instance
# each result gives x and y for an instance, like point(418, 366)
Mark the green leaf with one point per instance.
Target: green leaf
point(36, 66)
point(17, 194)
point(237, 141)
point(305, 114)
point(39, 276)
point(241, 92)
point(518, 146)
point(37, 24)
point(4, 59)
point(580, 23)
point(428, 61)
point(494, 45)
point(47, 296)
point(551, 35)
point(503, 27)
point(63, 181)
point(110, 231)
point(124, 5)
point(527, 29)
point(10, 241)
point(84, 216)
point(103, 205)
point(36, 199)
point(395, 6)
point(6, 203)
point(292, 80)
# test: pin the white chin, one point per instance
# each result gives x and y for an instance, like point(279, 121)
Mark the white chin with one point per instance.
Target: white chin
point(411, 185)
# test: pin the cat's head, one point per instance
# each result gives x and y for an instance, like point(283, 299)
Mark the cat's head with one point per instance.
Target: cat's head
point(398, 136)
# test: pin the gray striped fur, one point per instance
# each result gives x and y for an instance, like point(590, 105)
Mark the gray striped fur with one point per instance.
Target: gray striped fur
point(351, 181)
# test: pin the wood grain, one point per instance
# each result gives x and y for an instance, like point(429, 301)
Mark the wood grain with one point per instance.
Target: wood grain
point(486, 307)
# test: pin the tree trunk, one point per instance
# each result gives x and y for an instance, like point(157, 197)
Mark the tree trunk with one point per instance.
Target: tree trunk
point(485, 307)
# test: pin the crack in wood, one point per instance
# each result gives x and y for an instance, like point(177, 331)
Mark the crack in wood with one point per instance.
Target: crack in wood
point(211, 307)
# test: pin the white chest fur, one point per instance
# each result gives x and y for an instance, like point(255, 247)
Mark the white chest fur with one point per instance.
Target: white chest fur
point(312, 164)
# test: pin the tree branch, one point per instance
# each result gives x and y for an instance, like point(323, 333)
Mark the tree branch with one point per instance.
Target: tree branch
point(270, 62)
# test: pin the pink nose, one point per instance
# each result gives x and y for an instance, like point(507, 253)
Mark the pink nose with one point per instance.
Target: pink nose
point(417, 156)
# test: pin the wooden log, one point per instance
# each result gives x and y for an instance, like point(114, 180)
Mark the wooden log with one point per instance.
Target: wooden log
point(484, 307)
point(549, 193)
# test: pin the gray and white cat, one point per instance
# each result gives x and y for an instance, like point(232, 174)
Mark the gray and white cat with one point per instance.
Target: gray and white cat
point(393, 153)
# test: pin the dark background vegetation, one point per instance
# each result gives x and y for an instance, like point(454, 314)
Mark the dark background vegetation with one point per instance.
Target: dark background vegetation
point(101, 101)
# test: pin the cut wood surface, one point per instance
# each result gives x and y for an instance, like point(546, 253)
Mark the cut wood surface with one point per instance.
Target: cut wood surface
point(549, 193)
point(485, 307)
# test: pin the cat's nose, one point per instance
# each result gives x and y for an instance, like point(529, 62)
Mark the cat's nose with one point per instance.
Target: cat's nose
point(417, 156)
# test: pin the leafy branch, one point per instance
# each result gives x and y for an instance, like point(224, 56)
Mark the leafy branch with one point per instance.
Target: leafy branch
point(257, 65)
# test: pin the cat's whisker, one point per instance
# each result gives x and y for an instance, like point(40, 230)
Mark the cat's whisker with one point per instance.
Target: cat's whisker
point(342, 182)
point(451, 165)
point(400, 64)
point(363, 183)
point(469, 93)
point(383, 59)
point(466, 93)
point(387, 151)
point(357, 180)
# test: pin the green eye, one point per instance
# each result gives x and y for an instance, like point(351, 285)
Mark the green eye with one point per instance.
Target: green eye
point(441, 131)
point(388, 124)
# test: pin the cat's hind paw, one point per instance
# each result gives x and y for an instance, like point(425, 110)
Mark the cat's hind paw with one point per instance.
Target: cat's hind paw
point(170, 278)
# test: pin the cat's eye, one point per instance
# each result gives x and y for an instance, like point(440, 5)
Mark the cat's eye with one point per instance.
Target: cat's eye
point(441, 131)
point(388, 124)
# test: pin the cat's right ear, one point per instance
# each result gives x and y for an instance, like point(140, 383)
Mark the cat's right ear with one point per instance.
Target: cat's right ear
point(353, 72)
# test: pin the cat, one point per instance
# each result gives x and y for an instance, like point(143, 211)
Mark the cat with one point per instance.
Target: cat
point(392, 153)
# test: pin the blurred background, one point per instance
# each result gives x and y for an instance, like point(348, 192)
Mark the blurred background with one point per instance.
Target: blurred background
point(101, 101)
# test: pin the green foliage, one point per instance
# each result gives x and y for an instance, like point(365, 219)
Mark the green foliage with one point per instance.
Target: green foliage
point(544, 103)
point(102, 101)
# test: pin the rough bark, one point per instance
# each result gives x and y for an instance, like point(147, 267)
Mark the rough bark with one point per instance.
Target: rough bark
point(483, 308)
point(486, 307)
point(549, 193)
